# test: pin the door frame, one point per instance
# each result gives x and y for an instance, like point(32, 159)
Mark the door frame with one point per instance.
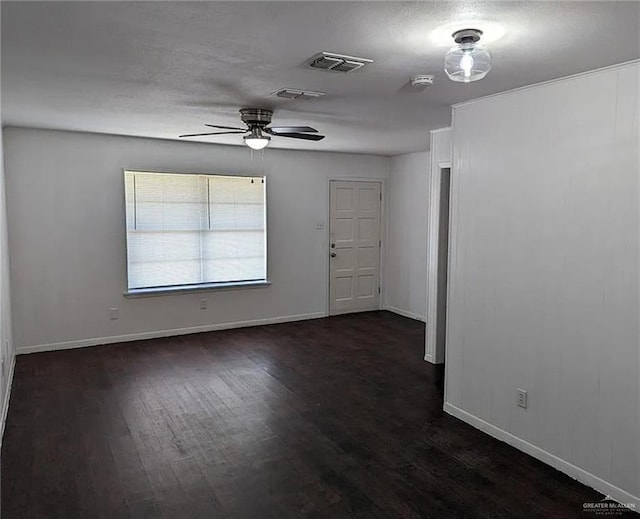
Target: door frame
point(434, 352)
point(383, 235)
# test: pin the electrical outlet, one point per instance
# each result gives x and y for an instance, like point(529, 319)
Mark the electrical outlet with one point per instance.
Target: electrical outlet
point(522, 398)
point(114, 313)
point(203, 304)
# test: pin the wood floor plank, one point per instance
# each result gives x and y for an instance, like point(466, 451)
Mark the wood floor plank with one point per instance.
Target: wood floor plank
point(330, 418)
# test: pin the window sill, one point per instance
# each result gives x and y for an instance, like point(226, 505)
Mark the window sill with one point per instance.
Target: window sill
point(186, 289)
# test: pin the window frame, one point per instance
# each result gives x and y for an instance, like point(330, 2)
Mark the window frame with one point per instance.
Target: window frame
point(195, 287)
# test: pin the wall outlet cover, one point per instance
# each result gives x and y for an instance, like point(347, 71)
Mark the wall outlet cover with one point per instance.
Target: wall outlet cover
point(522, 398)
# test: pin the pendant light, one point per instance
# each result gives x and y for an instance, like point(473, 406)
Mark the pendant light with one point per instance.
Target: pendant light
point(257, 140)
point(467, 61)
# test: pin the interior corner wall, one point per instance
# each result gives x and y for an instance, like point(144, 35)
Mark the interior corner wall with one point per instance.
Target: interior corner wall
point(405, 286)
point(68, 246)
point(7, 353)
point(543, 280)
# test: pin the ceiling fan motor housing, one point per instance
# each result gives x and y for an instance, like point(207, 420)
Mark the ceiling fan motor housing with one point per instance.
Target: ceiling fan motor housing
point(252, 117)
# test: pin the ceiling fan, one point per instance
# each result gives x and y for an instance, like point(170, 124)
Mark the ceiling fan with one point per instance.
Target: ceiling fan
point(259, 132)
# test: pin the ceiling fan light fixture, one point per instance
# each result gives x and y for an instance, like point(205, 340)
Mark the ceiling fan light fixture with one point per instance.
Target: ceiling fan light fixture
point(257, 140)
point(258, 123)
point(467, 61)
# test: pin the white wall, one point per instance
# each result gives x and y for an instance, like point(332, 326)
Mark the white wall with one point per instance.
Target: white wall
point(543, 285)
point(7, 353)
point(405, 285)
point(67, 235)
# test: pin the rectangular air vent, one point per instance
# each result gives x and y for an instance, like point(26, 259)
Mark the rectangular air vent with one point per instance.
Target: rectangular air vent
point(337, 62)
point(296, 93)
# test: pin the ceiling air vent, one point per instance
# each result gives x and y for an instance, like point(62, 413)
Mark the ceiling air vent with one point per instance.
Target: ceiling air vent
point(296, 93)
point(337, 62)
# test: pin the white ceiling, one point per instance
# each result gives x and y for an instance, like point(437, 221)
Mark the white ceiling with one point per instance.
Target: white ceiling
point(160, 69)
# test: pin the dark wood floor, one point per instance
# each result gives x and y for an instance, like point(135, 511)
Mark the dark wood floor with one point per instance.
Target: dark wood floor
point(330, 418)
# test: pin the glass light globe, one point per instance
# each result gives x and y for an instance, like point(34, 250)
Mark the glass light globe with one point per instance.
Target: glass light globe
point(256, 144)
point(467, 62)
point(257, 140)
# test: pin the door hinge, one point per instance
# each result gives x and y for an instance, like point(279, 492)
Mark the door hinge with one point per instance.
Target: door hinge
point(379, 243)
point(378, 290)
point(381, 197)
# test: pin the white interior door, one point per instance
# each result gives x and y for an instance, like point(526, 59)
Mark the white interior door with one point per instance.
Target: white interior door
point(354, 241)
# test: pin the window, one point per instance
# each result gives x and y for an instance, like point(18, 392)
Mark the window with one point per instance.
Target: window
point(189, 231)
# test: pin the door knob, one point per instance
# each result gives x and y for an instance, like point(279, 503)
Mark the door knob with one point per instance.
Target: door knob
point(333, 254)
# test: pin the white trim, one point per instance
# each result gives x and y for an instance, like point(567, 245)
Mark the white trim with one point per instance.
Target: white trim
point(618, 494)
point(188, 289)
point(549, 82)
point(7, 397)
point(433, 352)
point(453, 251)
point(164, 172)
point(438, 130)
point(433, 242)
point(405, 313)
point(139, 336)
point(350, 311)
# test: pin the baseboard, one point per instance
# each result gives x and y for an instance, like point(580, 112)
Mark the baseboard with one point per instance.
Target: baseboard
point(23, 350)
point(429, 357)
point(615, 493)
point(7, 397)
point(404, 313)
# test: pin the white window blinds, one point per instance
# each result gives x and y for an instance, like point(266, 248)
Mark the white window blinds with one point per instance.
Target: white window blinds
point(185, 229)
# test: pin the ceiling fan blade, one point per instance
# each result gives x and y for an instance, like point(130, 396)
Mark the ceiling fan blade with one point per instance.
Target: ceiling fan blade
point(305, 136)
point(210, 133)
point(225, 127)
point(276, 130)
